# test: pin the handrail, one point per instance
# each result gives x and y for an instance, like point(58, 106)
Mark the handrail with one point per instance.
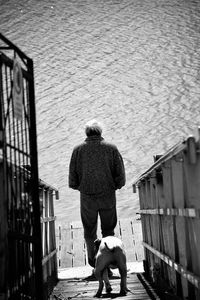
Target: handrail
point(174, 150)
point(47, 193)
point(21, 54)
point(43, 184)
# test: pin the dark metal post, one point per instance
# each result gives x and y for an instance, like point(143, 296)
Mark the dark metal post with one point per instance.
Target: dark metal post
point(35, 190)
point(1, 107)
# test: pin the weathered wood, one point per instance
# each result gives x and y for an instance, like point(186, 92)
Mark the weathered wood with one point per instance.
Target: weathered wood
point(168, 226)
point(49, 261)
point(178, 199)
point(171, 220)
point(79, 258)
point(66, 248)
point(137, 236)
point(154, 219)
point(128, 239)
point(192, 192)
point(83, 288)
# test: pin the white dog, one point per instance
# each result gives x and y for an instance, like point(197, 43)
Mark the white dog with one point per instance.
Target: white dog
point(110, 254)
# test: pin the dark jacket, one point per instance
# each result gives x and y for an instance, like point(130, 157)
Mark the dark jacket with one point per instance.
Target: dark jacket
point(96, 167)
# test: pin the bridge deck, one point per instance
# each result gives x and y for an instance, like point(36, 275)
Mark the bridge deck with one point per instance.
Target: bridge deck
point(74, 272)
point(74, 283)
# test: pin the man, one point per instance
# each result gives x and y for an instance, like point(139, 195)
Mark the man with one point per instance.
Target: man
point(97, 171)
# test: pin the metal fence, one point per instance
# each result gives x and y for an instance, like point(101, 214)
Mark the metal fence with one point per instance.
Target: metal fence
point(26, 263)
point(169, 194)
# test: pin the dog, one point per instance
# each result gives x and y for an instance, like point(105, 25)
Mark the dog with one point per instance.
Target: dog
point(110, 254)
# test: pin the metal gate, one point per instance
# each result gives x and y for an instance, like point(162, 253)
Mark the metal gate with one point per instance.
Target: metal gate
point(20, 231)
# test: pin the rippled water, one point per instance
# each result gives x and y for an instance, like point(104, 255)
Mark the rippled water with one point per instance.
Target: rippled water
point(132, 64)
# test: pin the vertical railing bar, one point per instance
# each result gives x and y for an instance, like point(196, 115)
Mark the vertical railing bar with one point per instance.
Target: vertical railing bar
point(35, 192)
point(16, 215)
point(59, 245)
point(21, 156)
point(29, 200)
point(2, 121)
point(48, 250)
point(50, 244)
point(13, 158)
point(47, 232)
point(24, 175)
point(19, 175)
point(50, 224)
point(1, 99)
point(27, 151)
point(9, 170)
point(44, 225)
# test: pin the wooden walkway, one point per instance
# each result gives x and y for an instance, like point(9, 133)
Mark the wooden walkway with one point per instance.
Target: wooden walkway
point(84, 289)
point(74, 272)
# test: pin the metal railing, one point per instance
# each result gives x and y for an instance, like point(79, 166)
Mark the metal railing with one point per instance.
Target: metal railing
point(21, 254)
point(27, 254)
point(47, 194)
point(21, 262)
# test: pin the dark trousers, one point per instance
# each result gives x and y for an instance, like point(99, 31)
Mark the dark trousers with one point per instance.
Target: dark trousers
point(91, 207)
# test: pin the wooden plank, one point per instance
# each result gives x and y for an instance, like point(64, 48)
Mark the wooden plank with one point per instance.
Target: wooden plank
point(169, 224)
point(84, 289)
point(141, 190)
point(66, 246)
point(137, 236)
point(58, 243)
point(128, 239)
point(180, 222)
point(192, 195)
point(154, 219)
point(77, 245)
point(118, 230)
point(150, 258)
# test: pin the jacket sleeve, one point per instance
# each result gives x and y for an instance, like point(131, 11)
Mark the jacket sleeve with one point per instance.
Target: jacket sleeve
point(73, 175)
point(119, 171)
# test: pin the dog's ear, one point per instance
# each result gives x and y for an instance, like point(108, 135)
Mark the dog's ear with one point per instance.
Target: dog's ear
point(97, 243)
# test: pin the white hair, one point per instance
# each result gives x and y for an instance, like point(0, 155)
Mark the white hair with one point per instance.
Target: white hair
point(93, 127)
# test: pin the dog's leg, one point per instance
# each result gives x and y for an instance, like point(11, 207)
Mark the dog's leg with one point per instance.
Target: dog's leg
point(123, 283)
point(123, 273)
point(106, 280)
point(98, 275)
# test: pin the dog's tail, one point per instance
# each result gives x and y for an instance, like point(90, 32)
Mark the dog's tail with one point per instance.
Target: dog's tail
point(110, 249)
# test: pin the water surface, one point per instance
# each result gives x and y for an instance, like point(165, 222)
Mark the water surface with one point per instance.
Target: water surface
point(132, 64)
